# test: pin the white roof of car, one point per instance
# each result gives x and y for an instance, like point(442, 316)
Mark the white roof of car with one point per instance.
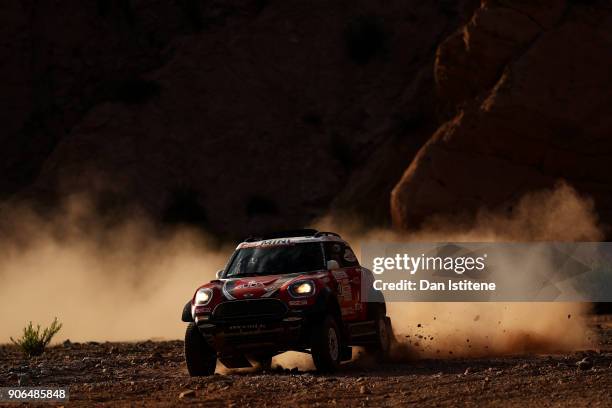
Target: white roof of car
point(289, 241)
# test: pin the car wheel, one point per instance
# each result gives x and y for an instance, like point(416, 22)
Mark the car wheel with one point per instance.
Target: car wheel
point(326, 345)
point(200, 357)
point(381, 349)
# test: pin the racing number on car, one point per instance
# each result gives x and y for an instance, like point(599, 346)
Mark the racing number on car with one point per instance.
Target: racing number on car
point(354, 274)
point(348, 278)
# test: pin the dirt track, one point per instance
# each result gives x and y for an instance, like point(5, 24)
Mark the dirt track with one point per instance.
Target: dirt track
point(153, 373)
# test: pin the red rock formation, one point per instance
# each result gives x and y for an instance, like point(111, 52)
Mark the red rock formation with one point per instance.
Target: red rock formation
point(532, 88)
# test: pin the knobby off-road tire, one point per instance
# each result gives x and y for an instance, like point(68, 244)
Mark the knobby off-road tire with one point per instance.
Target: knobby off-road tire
point(381, 350)
point(201, 358)
point(326, 345)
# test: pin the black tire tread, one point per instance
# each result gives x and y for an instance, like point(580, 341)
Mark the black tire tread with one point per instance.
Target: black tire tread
point(319, 347)
point(201, 359)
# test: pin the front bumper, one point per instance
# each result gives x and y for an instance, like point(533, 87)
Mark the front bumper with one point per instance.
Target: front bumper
point(243, 326)
point(288, 333)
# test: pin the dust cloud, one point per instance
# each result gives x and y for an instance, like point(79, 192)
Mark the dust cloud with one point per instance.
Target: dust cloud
point(126, 280)
point(441, 330)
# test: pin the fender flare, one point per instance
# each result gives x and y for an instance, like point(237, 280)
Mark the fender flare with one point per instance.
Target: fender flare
point(327, 303)
point(186, 316)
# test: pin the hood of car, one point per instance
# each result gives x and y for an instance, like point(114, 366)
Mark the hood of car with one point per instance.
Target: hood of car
point(255, 287)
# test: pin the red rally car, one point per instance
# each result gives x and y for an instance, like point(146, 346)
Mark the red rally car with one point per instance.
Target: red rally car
point(299, 290)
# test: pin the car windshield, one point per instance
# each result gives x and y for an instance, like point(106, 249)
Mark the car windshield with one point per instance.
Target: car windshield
point(276, 260)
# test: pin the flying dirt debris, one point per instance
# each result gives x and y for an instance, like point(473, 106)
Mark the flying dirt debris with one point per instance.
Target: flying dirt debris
point(122, 374)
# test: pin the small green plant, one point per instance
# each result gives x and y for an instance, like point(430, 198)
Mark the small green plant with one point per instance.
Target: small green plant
point(33, 342)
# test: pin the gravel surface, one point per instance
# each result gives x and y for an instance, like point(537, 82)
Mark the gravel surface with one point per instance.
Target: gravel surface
point(154, 374)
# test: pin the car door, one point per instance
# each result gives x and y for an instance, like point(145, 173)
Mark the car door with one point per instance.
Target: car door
point(354, 272)
point(348, 278)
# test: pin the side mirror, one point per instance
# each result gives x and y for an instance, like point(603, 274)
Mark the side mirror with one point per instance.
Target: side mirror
point(219, 273)
point(332, 265)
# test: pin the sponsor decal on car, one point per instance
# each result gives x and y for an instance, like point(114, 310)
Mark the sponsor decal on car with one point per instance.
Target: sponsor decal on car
point(344, 290)
point(267, 243)
point(252, 326)
point(346, 311)
point(339, 275)
point(249, 284)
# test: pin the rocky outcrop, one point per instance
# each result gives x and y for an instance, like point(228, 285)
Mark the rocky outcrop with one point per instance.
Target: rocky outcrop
point(243, 116)
point(530, 84)
point(473, 58)
point(61, 58)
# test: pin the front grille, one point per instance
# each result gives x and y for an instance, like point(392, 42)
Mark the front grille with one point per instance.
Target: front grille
point(250, 309)
point(276, 338)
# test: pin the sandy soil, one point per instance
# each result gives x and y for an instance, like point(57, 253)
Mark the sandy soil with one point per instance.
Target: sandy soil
point(154, 374)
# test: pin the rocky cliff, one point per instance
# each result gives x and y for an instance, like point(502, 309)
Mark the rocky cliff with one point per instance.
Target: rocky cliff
point(235, 115)
point(530, 85)
point(246, 115)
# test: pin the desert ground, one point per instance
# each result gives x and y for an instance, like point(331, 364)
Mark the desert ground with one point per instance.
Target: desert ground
point(153, 373)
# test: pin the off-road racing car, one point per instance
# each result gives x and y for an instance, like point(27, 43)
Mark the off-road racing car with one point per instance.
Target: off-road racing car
point(297, 290)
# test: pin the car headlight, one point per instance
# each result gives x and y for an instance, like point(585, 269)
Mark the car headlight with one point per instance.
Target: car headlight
point(203, 297)
point(302, 288)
